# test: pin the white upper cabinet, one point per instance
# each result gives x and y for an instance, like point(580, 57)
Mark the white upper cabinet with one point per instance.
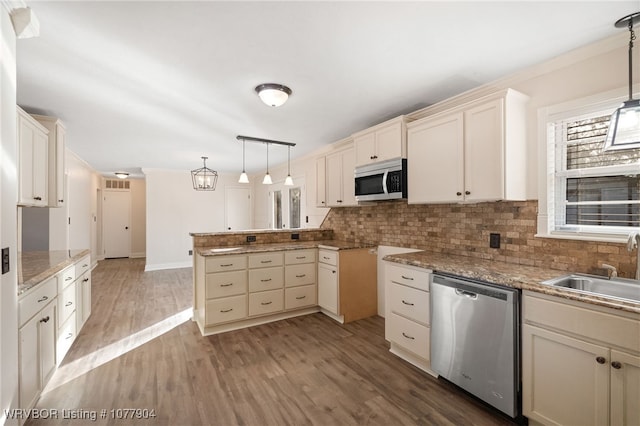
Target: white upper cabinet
point(340, 184)
point(32, 161)
point(475, 152)
point(56, 159)
point(382, 142)
point(321, 184)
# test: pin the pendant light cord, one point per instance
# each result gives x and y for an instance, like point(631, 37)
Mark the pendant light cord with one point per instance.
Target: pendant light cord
point(243, 143)
point(632, 37)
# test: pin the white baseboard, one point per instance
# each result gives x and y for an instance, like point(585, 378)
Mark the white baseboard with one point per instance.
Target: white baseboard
point(138, 255)
point(173, 265)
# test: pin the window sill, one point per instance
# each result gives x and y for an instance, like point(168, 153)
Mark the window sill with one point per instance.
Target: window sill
point(585, 236)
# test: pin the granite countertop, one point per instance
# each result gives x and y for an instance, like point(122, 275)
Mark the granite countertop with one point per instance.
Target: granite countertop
point(37, 266)
point(254, 231)
point(293, 245)
point(507, 274)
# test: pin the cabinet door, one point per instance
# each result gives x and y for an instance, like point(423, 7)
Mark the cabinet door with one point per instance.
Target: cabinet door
point(334, 180)
point(84, 299)
point(435, 149)
point(365, 146)
point(47, 338)
point(484, 152)
point(625, 389)
point(321, 184)
point(348, 178)
point(29, 363)
point(56, 172)
point(389, 142)
point(565, 380)
point(328, 288)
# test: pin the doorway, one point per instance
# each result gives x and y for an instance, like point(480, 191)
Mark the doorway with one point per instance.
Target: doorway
point(116, 223)
point(237, 215)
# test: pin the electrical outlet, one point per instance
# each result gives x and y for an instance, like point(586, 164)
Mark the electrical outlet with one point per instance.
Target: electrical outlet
point(494, 240)
point(190, 252)
point(295, 236)
point(5, 260)
point(251, 238)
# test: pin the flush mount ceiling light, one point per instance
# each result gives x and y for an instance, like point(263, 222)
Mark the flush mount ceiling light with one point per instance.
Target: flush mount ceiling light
point(204, 179)
point(273, 94)
point(624, 126)
point(267, 177)
point(122, 175)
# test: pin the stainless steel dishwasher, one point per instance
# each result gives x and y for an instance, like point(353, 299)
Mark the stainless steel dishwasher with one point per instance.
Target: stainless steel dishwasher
point(475, 339)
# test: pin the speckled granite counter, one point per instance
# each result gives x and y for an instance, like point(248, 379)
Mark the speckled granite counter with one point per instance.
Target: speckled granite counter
point(36, 266)
point(293, 245)
point(507, 274)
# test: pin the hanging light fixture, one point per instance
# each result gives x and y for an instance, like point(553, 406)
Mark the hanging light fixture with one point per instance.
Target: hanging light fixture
point(273, 94)
point(204, 179)
point(289, 180)
point(267, 177)
point(122, 175)
point(243, 176)
point(624, 126)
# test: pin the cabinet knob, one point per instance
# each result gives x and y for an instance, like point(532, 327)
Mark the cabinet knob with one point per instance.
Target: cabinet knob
point(600, 360)
point(458, 193)
point(467, 192)
point(321, 202)
point(617, 365)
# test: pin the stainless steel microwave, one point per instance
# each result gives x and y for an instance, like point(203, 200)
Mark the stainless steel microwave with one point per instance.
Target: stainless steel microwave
point(386, 180)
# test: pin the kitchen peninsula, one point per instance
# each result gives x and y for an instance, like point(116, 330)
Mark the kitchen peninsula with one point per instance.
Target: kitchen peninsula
point(252, 277)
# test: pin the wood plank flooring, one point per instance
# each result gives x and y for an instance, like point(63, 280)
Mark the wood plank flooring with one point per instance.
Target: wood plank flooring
point(140, 350)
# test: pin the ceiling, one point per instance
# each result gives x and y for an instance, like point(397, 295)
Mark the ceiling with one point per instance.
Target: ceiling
point(158, 84)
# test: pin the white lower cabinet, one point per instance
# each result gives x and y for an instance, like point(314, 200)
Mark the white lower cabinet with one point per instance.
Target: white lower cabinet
point(407, 320)
point(266, 302)
point(581, 366)
point(328, 291)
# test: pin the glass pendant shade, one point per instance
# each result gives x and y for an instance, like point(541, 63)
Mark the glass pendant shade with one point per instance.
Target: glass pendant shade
point(273, 94)
point(624, 127)
point(267, 179)
point(243, 178)
point(204, 179)
point(288, 181)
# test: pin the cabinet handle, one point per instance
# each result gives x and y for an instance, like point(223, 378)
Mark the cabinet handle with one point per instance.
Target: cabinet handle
point(43, 299)
point(617, 365)
point(407, 303)
point(226, 285)
point(266, 261)
point(301, 257)
point(601, 360)
point(61, 201)
point(85, 280)
point(68, 278)
point(407, 278)
point(266, 281)
point(37, 198)
point(338, 201)
point(265, 303)
point(45, 319)
point(458, 193)
point(326, 258)
point(407, 336)
point(69, 336)
point(224, 311)
point(301, 276)
point(85, 265)
point(467, 192)
point(69, 303)
point(226, 264)
point(300, 297)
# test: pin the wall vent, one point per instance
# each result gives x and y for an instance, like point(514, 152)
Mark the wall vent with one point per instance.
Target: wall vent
point(117, 185)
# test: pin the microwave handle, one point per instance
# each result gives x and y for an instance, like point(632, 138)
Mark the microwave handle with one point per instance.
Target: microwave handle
point(384, 181)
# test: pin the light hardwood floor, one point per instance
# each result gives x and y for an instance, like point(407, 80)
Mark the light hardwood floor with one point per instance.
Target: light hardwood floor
point(139, 349)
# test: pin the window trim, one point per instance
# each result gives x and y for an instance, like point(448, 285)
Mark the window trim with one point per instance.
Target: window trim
point(547, 116)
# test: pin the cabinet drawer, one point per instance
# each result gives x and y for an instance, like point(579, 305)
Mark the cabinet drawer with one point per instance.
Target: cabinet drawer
point(409, 302)
point(225, 310)
point(299, 297)
point(66, 336)
point(582, 321)
point(66, 277)
point(265, 279)
point(265, 260)
point(408, 276)
point(36, 299)
point(408, 334)
point(67, 302)
point(83, 266)
point(302, 274)
point(225, 263)
point(265, 302)
point(329, 257)
point(293, 257)
point(224, 284)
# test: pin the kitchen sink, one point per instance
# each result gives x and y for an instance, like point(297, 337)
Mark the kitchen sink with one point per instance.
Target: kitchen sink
point(224, 249)
point(620, 288)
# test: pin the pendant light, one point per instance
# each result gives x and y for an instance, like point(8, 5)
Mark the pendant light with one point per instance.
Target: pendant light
point(243, 176)
point(624, 126)
point(273, 94)
point(289, 180)
point(267, 177)
point(204, 179)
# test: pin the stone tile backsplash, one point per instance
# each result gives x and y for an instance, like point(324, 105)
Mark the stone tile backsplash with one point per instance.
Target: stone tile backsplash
point(231, 239)
point(464, 229)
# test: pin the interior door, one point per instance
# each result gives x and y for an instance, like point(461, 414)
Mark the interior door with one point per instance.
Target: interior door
point(237, 209)
point(116, 218)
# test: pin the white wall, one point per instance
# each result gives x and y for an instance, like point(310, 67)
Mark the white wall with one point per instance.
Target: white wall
point(138, 218)
point(8, 217)
point(174, 209)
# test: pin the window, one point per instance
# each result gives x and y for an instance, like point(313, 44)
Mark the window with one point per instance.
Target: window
point(590, 191)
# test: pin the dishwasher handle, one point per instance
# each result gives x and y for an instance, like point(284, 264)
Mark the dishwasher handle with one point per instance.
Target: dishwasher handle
point(470, 295)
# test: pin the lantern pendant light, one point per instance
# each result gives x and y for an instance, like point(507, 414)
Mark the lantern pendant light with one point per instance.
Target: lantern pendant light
point(624, 126)
point(267, 177)
point(204, 179)
point(243, 176)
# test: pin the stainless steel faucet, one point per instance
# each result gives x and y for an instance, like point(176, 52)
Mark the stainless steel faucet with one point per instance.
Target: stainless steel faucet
point(612, 272)
point(634, 242)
